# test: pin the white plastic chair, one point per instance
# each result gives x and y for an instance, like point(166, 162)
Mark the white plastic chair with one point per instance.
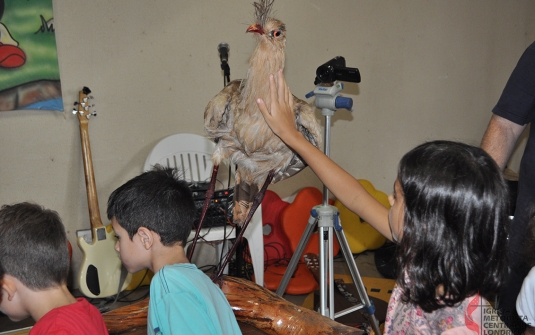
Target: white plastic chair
point(191, 154)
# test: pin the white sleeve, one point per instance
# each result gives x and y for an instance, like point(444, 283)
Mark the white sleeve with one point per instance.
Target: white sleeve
point(525, 302)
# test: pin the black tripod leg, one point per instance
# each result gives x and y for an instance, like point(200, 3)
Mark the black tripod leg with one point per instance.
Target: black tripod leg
point(209, 195)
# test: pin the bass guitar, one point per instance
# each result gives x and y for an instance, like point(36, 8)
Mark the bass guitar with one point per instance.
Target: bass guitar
point(101, 271)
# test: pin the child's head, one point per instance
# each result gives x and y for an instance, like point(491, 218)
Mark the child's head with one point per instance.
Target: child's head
point(33, 246)
point(157, 200)
point(454, 224)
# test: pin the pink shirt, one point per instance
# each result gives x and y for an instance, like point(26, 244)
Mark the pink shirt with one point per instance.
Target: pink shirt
point(471, 316)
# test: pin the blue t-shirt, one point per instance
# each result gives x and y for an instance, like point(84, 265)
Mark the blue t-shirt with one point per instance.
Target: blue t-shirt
point(184, 300)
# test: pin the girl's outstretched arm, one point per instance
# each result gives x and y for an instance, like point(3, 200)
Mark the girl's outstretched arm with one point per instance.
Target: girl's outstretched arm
point(280, 118)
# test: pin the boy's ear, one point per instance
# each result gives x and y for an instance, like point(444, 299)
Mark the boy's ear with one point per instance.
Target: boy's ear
point(146, 237)
point(9, 286)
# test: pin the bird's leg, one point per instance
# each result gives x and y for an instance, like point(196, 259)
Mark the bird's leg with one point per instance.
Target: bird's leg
point(256, 202)
point(208, 198)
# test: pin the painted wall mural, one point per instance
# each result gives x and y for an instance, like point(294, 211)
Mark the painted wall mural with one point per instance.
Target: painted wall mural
point(29, 72)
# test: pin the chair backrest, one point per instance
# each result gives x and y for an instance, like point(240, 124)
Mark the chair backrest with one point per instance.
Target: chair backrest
point(276, 244)
point(189, 153)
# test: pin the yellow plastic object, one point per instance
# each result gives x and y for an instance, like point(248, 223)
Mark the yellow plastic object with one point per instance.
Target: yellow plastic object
point(140, 279)
point(359, 234)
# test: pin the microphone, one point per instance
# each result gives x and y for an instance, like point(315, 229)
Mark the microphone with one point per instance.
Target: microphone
point(223, 49)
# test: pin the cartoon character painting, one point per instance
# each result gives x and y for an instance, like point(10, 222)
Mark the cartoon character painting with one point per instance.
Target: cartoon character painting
point(10, 54)
point(29, 71)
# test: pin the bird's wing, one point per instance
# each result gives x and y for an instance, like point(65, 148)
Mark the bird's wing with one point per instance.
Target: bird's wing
point(219, 117)
point(308, 125)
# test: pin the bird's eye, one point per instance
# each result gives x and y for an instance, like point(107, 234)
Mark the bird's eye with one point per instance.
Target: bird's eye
point(277, 33)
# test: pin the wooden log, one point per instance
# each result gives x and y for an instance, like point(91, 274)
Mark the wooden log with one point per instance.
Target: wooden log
point(252, 305)
point(22, 331)
point(127, 318)
point(264, 310)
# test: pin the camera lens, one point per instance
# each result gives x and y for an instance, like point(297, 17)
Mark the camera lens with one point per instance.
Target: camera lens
point(325, 73)
point(336, 69)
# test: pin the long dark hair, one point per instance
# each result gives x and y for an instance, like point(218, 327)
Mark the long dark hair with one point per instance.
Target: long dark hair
point(455, 225)
point(528, 255)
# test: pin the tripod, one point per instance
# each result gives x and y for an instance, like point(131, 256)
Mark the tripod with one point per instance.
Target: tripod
point(327, 218)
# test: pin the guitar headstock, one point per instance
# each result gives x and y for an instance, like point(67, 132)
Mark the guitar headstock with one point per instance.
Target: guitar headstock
point(81, 107)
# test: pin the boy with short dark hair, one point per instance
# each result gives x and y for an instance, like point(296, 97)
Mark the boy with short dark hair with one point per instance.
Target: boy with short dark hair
point(152, 216)
point(35, 258)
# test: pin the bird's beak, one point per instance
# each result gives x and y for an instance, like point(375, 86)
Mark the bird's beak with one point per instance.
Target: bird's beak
point(255, 28)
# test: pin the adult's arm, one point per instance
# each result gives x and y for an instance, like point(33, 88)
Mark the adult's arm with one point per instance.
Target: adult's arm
point(500, 139)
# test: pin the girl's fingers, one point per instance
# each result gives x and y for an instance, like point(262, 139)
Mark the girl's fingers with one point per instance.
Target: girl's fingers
point(284, 93)
point(287, 93)
point(290, 100)
point(262, 106)
point(280, 96)
point(273, 88)
point(281, 86)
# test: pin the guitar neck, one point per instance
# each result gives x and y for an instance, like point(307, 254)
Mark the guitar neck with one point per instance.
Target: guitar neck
point(92, 198)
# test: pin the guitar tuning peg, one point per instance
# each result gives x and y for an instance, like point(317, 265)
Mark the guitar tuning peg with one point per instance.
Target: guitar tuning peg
point(76, 103)
point(88, 116)
point(74, 111)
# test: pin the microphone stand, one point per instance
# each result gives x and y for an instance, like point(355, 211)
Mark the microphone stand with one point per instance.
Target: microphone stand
point(226, 79)
point(223, 49)
point(226, 73)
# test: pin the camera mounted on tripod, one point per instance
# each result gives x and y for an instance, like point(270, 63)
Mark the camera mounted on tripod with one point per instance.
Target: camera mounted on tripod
point(328, 86)
point(336, 69)
point(325, 217)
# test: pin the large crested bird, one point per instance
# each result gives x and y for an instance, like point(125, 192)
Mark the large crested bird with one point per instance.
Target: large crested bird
point(233, 119)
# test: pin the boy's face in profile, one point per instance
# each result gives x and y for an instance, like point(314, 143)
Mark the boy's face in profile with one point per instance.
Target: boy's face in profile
point(131, 252)
point(10, 303)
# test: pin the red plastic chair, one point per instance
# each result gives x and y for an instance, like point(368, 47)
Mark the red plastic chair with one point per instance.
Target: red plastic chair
point(293, 220)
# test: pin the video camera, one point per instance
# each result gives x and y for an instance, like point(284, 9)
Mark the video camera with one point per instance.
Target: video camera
point(336, 69)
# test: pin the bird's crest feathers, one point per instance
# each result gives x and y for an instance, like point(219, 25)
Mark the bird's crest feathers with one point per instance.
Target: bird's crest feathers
point(262, 11)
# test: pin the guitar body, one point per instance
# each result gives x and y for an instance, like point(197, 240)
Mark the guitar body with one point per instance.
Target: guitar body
point(101, 271)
